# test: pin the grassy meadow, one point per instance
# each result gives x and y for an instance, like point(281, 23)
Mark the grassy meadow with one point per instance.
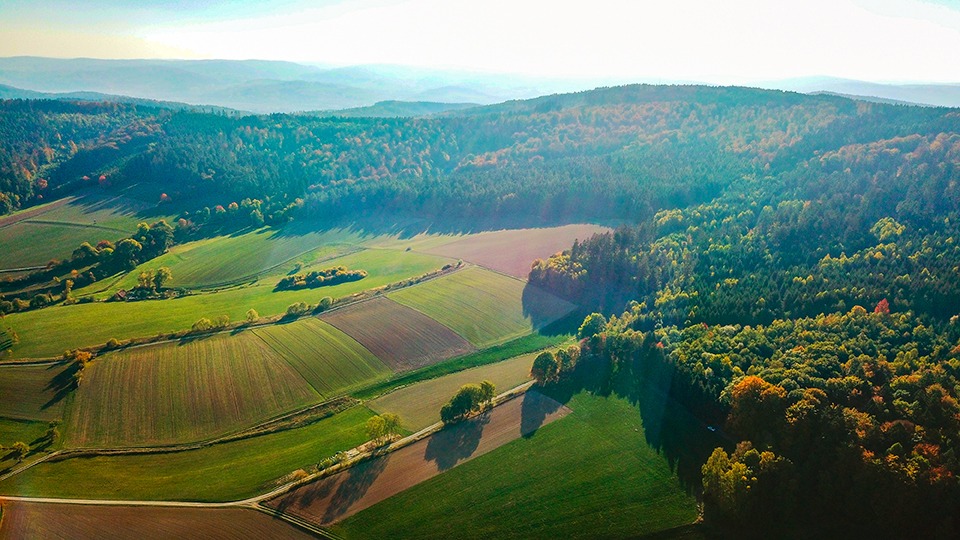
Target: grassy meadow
point(226, 260)
point(484, 307)
point(589, 475)
point(222, 472)
point(54, 230)
point(47, 332)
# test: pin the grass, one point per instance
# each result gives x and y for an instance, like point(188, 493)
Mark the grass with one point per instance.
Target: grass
point(56, 232)
point(331, 361)
point(175, 393)
point(47, 332)
point(222, 472)
point(34, 392)
point(589, 475)
point(484, 307)
point(419, 404)
point(225, 260)
point(14, 430)
point(525, 344)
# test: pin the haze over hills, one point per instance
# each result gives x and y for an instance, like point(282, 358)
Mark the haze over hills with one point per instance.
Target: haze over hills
point(268, 86)
point(941, 95)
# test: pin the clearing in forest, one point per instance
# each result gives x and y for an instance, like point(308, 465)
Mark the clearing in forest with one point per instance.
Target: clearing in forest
point(484, 307)
point(401, 337)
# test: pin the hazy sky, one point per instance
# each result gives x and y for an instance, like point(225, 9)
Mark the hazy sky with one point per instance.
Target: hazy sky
point(721, 41)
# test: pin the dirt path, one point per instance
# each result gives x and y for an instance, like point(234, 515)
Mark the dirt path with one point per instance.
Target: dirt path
point(339, 496)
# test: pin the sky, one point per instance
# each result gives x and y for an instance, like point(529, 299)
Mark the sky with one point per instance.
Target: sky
point(716, 41)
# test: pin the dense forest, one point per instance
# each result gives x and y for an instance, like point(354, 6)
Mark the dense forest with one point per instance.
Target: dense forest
point(790, 271)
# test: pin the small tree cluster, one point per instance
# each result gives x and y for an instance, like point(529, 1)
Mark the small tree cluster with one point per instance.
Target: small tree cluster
point(469, 398)
point(383, 427)
point(550, 366)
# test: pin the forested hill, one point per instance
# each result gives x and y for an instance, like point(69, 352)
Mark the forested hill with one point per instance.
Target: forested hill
point(622, 152)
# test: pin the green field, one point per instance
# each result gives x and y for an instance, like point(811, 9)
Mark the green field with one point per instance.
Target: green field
point(331, 361)
point(221, 472)
point(47, 332)
point(27, 431)
point(55, 230)
point(224, 260)
point(484, 307)
point(589, 475)
point(174, 393)
point(33, 392)
point(419, 404)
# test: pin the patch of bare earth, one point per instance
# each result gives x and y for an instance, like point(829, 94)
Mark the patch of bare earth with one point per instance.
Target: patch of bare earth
point(339, 496)
point(44, 520)
point(401, 337)
point(513, 251)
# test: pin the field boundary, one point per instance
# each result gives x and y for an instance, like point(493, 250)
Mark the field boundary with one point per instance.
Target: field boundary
point(341, 302)
point(358, 456)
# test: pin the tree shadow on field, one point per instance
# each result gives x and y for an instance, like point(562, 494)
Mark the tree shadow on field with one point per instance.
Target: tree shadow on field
point(534, 410)
point(353, 486)
point(61, 384)
point(456, 443)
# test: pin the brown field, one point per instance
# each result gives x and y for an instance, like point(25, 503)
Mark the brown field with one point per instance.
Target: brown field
point(34, 392)
point(419, 404)
point(401, 337)
point(334, 498)
point(44, 520)
point(513, 251)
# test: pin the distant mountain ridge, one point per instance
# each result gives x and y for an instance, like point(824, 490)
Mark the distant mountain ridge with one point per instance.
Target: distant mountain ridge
point(267, 86)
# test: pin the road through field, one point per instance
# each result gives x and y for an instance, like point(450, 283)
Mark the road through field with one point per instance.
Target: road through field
point(339, 496)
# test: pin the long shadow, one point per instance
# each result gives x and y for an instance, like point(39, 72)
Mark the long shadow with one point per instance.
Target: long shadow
point(456, 443)
point(61, 384)
point(354, 485)
point(670, 427)
point(534, 411)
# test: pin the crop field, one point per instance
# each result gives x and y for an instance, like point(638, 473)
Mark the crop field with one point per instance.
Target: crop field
point(225, 260)
point(174, 393)
point(34, 392)
point(55, 230)
point(401, 337)
point(13, 430)
point(484, 307)
point(221, 472)
point(46, 520)
point(419, 404)
point(339, 496)
point(513, 251)
point(591, 475)
point(47, 332)
point(328, 359)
